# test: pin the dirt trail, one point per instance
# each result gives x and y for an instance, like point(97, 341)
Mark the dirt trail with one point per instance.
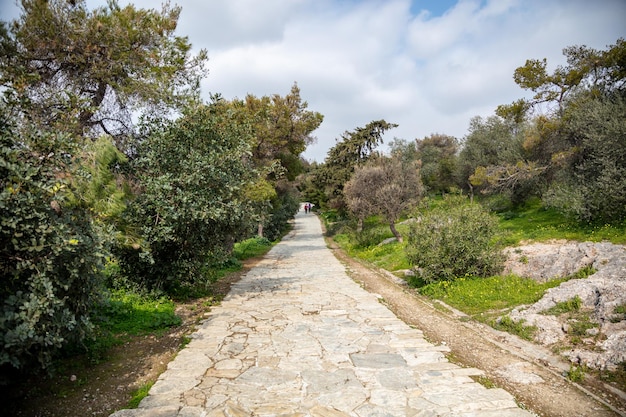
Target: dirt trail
point(508, 361)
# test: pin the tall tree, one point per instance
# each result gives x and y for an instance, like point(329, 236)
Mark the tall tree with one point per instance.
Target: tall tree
point(438, 154)
point(589, 185)
point(91, 71)
point(282, 127)
point(50, 251)
point(587, 69)
point(491, 141)
point(354, 149)
point(575, 152)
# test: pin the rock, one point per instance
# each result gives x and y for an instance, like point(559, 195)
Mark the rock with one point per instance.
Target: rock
point(520, 372)
point(388, 241)
point(600, 294)
point(545, 261)
point(611, 356)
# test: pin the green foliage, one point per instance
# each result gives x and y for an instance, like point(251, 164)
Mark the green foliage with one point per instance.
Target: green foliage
point(580, 324)
point(568, 306)
point(84, 70)
point(282, 127)
point(193, 176)
point(283, 207)
point(457, 238)
point(51, 254)
point(515, 327)
point(474, 295)
point(97, 186)
point(438, 154)
point(576, 373)
point(140, 394)
point(620, 309)
point(253, 247)
point(592, 188)
point(385, 186)
point(491, 141)
point(353, 150)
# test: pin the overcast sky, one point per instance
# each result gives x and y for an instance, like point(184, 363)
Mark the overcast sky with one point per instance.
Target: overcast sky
point(427, 65)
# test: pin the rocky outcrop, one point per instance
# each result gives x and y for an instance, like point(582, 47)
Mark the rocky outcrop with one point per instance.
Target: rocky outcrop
point(604, 345)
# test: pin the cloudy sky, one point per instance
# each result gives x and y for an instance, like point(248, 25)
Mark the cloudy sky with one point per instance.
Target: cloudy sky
point(427, 65)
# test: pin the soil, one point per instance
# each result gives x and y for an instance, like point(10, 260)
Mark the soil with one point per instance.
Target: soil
point(79, 389)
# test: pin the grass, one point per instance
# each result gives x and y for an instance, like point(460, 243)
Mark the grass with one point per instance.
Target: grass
point(534, 222)
point(474, 295)
point(139, 395)
point(128, 313)
point(487, 298)
point(571, 305)
point(251, 248)
point(134, 314)
point(514, 327)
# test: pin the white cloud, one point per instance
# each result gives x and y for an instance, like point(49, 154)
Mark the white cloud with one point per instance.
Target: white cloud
point(427, 65)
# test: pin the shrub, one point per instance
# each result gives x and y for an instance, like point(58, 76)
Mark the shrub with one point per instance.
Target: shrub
point(192, 207)
point(454, 239)
point(51, 253)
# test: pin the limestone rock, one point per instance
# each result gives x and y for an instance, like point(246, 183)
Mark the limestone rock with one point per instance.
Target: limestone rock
point(600, 294)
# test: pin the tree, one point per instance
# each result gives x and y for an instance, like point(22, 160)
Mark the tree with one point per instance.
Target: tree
point(596, 72)
point(576, 152)
point(438, 155)
point(194, 175)
point(354, 149)
point(89, 71)
point(385, 186)
point(590, 186)
point(282, 129)
point(491, 141)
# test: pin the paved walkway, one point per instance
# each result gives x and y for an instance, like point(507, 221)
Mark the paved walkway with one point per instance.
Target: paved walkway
point(297, 337)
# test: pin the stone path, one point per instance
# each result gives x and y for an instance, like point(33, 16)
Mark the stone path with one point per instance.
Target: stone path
point(297, 337)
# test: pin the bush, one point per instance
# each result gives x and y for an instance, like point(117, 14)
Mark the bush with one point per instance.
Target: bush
point(284, 206)
point(191, 209)
point(454, 239)
point(51, 254)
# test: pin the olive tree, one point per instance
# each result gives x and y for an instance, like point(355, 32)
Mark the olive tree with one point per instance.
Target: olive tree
point(384, 186)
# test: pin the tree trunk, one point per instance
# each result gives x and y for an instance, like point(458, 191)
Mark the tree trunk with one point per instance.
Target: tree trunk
point(471, 192)
point(259, 231)
point(359, 225)
point(395, 232)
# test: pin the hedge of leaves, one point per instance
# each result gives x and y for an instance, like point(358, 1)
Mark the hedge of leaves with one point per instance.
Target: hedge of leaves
point(50, 253)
